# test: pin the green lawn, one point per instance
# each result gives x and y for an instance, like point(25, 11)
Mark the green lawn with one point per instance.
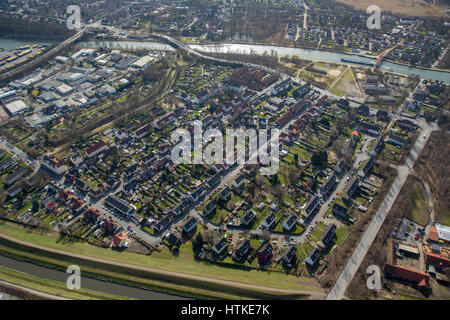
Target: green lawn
point(317, 231)
point(342, 234)
point(183, 263)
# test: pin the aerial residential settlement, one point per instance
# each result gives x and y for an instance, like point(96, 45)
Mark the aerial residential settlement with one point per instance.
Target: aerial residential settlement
point(88, 175)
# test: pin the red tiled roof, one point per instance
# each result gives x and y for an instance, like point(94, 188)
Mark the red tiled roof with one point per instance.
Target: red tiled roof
point(51, 204)
point(65, 194)
point(436, 259)
point(95, 147)
point(433, 235)
point(420, 278)
point(76, 202)
point(118, 238)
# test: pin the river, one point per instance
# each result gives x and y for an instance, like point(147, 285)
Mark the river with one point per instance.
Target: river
point(86, 283)
point(306, 54)
point(10, 43)
point(324, 56)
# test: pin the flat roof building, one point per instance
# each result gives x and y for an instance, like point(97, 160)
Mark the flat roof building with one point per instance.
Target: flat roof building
point(16, 107)
point(443, 232)
point(64, 89)
point(142, 62)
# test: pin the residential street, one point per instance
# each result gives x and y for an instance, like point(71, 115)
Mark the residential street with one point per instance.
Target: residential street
point(338, 290)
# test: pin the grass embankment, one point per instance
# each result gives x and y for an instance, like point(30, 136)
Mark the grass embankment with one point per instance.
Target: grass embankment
point(173, 284)
point(433, 166)
point(52, 287)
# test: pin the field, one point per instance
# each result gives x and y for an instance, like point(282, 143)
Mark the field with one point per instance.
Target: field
point(346, 85)
point(420, 8)
point(322, 74)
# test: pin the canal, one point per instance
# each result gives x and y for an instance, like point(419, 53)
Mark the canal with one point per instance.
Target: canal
point(259, 49)
point(86, 283)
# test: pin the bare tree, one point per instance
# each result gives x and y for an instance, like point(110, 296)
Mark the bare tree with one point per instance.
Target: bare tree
point(278, 191)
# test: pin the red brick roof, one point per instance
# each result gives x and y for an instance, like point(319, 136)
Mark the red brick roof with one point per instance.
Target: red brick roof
point(421, 279)
point(436, 259)
point(65, 194)
point(118, 239)
point(50, 204)
point(95, 147)
point(433, 235)
point(76, 203)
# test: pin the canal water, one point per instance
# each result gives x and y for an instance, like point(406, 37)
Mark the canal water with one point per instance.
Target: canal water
point(8, 43)
point(324, 56)
point(307, 54)
point(86, 283)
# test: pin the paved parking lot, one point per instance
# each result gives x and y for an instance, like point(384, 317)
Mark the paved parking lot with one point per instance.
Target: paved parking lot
point(407, 230)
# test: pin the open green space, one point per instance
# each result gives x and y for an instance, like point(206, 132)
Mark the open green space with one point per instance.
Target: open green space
point(184, 263)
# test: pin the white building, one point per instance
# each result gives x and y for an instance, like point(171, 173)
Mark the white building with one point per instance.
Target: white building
point(61, 59)
point(84, 52)
point(142, 62)
point(443, 232)
point(16, 107)
point(64, 89)
point(54, 165)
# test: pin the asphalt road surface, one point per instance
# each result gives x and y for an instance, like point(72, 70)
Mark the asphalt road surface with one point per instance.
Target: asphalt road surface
point(346, 276)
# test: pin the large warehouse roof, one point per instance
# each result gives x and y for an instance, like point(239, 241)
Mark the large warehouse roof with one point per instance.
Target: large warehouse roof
point(443, 232)
point(16, 107)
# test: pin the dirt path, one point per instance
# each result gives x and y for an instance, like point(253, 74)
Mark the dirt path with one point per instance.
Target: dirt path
point(338, 78)
point(430, 203)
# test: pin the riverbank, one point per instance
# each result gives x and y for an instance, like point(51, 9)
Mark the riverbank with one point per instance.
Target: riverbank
point(358, 54)
point(324, 56)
